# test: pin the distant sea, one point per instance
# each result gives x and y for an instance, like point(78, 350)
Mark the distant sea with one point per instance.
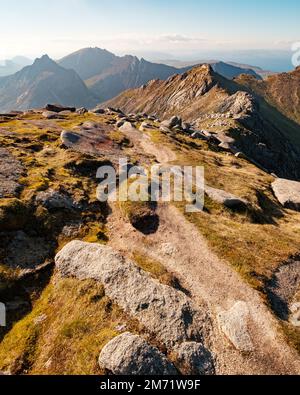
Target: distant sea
point(271, 60)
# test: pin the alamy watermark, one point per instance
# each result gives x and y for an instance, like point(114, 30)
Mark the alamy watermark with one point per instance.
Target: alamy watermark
point(158, 183)
point(296, 55)
point(2, 314)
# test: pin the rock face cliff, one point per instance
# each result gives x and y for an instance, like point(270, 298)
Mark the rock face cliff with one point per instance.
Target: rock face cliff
point(211, 102)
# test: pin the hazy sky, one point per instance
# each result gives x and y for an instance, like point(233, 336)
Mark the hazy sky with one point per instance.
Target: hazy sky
point(178, 27)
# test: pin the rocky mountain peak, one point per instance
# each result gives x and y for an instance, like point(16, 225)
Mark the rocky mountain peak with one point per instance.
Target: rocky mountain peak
point(44, 60)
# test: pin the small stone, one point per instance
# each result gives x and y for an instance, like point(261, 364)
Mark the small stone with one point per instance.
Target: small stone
point(81, 111)
point(234, 324)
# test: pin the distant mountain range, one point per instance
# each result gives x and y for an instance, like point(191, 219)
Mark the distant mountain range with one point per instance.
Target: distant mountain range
point(87, 77)
point(41, 83)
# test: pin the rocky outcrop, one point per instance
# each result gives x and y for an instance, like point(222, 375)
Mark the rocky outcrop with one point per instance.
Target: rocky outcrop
point(288, 193)
point(130, 354)
point(160, 309)
point(234, 324)
point(241, 104)
point(194, 359)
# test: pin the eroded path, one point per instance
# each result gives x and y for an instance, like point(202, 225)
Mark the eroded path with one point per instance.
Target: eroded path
point(182, 250)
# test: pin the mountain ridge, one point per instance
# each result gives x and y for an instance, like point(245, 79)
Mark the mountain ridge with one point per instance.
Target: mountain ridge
point(225, 107)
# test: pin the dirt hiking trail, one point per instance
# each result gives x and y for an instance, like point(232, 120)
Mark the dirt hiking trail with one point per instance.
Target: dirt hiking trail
point(212, 283)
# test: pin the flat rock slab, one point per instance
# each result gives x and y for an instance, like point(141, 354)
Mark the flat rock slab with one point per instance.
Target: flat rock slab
point(234, 324)
point(130, 354)
point(288, 193)
point(10, 172)
point(162, 310)
point(227, 199)
point(92, 141)
point(58, 108)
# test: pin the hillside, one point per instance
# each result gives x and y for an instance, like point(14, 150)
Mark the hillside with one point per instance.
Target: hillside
point(41, 83)
point(218, 105)
point(78, 276)
point(281, 91)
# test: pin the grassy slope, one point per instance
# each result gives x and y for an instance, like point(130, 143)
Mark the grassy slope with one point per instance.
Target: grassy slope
point(65, 332)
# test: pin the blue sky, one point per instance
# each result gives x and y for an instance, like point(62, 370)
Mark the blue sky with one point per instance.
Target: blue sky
point(178, 28)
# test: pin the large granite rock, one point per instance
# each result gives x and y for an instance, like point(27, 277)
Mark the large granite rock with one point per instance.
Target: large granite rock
point(287, 192)
point(162, 310)
point(227, 199)
point(130, 354)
